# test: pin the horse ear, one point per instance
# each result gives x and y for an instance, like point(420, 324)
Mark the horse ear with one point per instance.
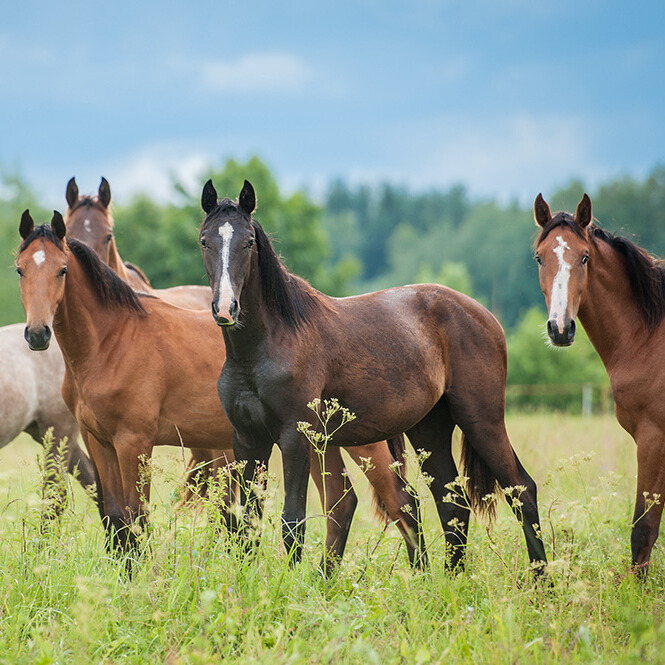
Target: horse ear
point(583, 213)
point(208, 197)
point(72, 193)
point(58, 225)
point(541, 212)
point(104, 193)
point(27, 225)
point(247, 198)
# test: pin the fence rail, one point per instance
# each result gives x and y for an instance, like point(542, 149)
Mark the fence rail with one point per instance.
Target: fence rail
point(587, 397)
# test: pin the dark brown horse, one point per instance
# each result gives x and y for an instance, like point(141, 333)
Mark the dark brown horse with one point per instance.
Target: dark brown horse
point(618, 292)
point(140, 372)
point(89, 220)
point(416, 359)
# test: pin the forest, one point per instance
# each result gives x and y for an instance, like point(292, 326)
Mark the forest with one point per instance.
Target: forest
point(358, 238)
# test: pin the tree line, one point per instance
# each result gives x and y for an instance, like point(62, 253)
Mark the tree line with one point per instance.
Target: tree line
point(360, 238)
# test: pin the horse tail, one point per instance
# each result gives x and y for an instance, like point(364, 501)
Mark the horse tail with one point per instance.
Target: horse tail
point(481, 484)
point(397, 447)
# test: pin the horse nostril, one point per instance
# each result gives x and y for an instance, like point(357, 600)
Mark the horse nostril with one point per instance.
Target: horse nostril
point(551, 329)
point(47, 334)
point(233, 309)
point(215, 309)
point(571, 331)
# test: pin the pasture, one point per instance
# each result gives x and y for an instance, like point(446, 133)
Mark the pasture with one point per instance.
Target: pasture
point(195, 598)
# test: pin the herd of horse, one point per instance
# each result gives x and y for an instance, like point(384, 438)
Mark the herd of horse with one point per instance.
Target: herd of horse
point(229, 371)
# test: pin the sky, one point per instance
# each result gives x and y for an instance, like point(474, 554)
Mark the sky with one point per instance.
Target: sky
point(509, 98)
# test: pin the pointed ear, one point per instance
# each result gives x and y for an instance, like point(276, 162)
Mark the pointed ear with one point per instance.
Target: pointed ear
point(58, 225)
point(72, 193)
point(583, 213)
point(247, 198)
point(541, 212)
point(27, 225)
point(208, 197)
point(104, 193)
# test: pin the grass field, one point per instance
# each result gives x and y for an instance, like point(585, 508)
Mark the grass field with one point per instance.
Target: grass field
point(195, 599)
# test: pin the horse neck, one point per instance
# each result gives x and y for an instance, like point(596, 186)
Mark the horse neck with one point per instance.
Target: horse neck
point(81, 322)
point(118, 265)
point(609, 314)
point(243, 342)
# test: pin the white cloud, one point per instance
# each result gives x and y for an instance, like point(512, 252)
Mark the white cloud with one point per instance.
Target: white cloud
point(152, 169)
point(256, 72)
point(515, 156)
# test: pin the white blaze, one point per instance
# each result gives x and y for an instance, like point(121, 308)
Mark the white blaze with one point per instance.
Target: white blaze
point(559, 297)
point(39, 257)
point(225, 289)
point(86, 225)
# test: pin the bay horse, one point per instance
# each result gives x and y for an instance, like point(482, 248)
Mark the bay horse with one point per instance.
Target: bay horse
point(617, 290)
point(418, 359)
point(141, 372)
point(89, 220)
point(31, 401)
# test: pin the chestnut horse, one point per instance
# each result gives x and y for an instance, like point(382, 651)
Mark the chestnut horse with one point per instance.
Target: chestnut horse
point(141, 372)
point(618, 292)
point(416, 359)
point(89, 220)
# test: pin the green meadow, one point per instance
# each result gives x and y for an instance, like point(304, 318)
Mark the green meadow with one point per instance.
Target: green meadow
point(196, 598)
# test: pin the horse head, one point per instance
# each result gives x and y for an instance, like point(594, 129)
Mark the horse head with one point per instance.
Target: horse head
point(562, 253)
point(227, 237)
point(42, 265)
point(89, 219)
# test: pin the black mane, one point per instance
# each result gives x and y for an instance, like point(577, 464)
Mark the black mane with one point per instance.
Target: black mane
point(287, 296)
point(646, 274)
point(110, 289)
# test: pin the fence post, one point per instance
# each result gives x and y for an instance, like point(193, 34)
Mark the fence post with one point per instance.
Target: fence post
point(587, 393)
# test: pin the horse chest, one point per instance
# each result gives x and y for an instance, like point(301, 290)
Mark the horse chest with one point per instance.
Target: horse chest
point(248, 398)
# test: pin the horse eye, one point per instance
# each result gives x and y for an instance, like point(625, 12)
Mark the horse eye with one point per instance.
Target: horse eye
point(63, 272)
point(539, 261)
point(20, 272)
point(250, 242)
point(585, 259)
point(203, 242)
point(108, 238)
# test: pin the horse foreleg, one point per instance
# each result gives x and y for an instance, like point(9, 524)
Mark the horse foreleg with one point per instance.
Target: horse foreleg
point(649, 500)
point(253, 458)
point(296, 463)
point(109, 492)
point(339, 502)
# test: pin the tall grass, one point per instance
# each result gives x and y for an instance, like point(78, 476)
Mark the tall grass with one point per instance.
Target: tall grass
point(196, 598)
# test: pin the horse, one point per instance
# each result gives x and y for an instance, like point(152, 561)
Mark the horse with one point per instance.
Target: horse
point(418, 359)
point(617, 290)
point(89, 220)
point(141, 372)
point(31, 402)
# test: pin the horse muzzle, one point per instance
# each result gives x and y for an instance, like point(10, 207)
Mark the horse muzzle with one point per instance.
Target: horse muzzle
point(37, 337)
point(220, 319)
point(561, 336)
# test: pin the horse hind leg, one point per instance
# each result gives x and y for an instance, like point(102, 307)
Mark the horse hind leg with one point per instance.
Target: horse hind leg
point(433, 434)
point(489, 457)
point(339, 502)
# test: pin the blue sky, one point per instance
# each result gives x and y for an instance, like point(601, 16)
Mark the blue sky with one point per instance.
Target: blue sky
point(508, 98)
